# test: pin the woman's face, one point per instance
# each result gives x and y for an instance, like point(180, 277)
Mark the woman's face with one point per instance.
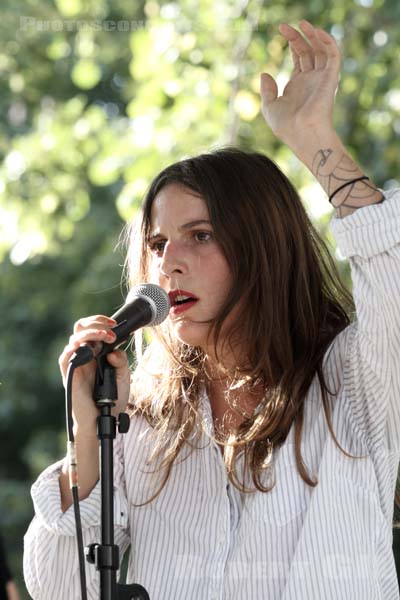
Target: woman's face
point(187, 262)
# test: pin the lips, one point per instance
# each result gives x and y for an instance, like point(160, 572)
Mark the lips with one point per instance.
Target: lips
point(181, 300)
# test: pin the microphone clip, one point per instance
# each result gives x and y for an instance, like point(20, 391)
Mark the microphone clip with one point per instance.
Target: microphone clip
point(82, 356)
point(105, 391)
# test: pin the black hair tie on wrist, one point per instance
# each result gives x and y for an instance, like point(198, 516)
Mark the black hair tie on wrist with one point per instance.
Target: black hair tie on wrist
point(346, 184)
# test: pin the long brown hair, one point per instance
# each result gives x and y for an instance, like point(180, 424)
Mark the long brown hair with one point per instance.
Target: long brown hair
point(292, 305)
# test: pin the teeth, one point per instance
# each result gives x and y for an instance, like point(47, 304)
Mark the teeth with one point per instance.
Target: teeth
point(180, 298)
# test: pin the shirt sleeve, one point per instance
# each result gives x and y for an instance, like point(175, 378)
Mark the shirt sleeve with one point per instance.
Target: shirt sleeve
point(370, 239)
point(51, 567)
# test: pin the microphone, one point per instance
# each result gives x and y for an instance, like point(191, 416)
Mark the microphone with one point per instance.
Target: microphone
point(146, 304)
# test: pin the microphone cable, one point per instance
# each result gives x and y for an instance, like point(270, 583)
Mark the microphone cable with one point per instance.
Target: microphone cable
point(73, 476)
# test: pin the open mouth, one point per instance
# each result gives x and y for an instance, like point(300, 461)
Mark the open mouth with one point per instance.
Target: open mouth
point(178, 300)
point(181, 299)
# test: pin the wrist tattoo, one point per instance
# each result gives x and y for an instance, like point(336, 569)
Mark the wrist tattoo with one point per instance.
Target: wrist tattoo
point(333, 169)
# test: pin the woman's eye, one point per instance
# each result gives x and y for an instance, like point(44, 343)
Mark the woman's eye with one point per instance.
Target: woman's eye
point(157, 247)
point(203, 236)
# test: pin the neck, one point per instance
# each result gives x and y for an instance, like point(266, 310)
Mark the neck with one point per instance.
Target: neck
point(232, 401)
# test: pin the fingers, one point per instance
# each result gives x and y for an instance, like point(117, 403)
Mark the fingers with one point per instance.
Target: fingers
point(296, 62)
point(91, 331)
point(118, 359)
point(92, 322)
point(317, 50)
point(302, 52)
point(269, 88)
point(92, 337)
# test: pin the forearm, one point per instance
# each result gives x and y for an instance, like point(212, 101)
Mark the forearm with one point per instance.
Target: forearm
point(87, 450)
point(325, 156)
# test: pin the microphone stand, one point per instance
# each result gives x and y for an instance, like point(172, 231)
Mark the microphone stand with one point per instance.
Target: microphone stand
point(105, 556)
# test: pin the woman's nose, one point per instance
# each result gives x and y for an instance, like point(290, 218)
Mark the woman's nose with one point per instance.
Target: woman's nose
point(173, 260)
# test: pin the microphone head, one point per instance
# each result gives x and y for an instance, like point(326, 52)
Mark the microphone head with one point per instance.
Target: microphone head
point(159, 300)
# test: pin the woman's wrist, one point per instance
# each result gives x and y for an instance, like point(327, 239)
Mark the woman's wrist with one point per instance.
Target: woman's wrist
point(315, 146)
point(323, 153)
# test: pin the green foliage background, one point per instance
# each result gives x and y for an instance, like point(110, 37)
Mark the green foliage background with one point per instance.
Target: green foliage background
point(96, 97)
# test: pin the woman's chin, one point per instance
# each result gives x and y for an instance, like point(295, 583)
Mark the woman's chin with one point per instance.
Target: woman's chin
point(189, 333)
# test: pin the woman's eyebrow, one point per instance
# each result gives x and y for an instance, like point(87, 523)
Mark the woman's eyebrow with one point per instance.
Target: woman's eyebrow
point(194, 224)
point(157, 233)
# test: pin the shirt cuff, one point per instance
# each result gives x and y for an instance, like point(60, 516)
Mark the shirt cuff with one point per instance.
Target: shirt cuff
point(47, 503)
point(370, 230)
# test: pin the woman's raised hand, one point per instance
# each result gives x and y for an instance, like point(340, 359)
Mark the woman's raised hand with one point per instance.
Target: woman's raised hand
point(307, 101)
point(93, 330)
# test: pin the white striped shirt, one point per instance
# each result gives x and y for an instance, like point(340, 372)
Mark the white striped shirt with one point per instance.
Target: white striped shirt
point(201, 539)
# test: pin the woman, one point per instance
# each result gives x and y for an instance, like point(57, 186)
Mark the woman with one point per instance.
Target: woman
point(264, 443)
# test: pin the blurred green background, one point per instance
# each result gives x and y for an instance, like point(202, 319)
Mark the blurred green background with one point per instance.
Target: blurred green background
point(96, 97)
